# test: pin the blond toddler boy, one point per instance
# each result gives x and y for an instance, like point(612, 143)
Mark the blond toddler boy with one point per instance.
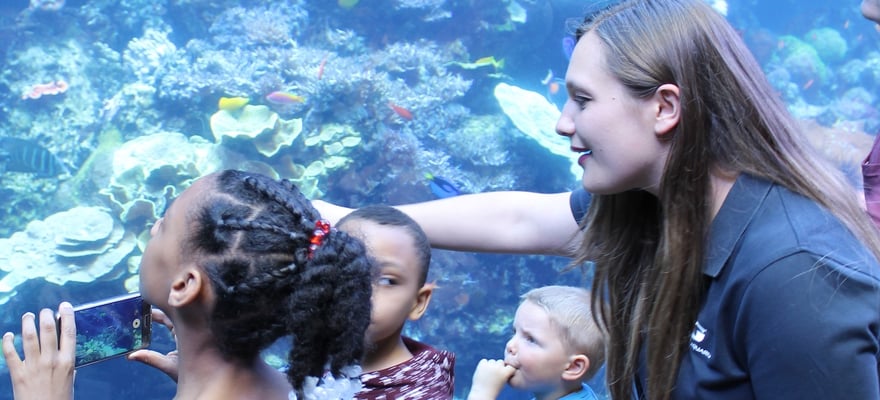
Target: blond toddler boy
point(555, 348)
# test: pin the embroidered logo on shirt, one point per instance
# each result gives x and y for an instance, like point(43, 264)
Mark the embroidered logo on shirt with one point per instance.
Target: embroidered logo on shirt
point(699, 333)
point(697, 337)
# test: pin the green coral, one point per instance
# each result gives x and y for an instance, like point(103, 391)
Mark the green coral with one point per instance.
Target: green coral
point(332, 144)
point(828, 43)
point(259, 124)
point(801, 60)
point(150, 170)
point(92, 174)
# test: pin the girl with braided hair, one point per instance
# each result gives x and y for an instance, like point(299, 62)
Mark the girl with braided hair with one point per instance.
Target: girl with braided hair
point(238, 261)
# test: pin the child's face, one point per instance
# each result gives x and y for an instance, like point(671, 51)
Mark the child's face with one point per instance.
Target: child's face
point(536, 351)
point(161, 257)
point(396, 292)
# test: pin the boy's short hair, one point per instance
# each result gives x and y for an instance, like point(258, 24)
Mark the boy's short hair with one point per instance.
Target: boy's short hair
point(569, 310)
point(390, 216)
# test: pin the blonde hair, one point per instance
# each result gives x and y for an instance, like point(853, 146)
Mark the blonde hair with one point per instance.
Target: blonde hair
point(569, 310)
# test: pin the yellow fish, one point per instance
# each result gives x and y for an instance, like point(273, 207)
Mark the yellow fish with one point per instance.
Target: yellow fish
point(347, 3)
point(482, 62)
point(498, 64)
point(232, 103)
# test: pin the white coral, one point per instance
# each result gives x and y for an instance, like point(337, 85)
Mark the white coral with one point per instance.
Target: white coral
point(82, 244)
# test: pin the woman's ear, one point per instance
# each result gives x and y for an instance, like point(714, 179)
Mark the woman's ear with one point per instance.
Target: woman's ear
point(668, 106)
point(186, 287)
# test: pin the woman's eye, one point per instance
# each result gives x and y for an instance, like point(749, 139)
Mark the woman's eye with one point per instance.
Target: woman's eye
point(581, 101)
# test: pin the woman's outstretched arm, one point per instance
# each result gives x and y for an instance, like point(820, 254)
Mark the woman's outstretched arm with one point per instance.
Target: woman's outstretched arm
point(498, 222)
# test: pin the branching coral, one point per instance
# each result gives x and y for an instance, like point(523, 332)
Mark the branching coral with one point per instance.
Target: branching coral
point(273, 25)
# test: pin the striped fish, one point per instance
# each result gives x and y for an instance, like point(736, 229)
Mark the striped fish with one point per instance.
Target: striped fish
point(22, 155)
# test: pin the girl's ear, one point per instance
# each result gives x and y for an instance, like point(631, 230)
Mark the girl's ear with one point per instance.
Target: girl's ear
point(578, 365)
point(186, 287)
point(668, 109)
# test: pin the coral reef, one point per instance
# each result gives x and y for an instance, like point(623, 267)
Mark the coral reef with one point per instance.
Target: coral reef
point(844, 145)
point(86, 70)
point(829, 44)
point(259, 125)
point(148, 171)
point(378, 106)
point(536, 117)
point(146, 54)
point(82, 244)
point(802, 61)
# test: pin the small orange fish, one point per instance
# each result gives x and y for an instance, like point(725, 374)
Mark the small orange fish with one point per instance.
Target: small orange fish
point(321, 66)
point(279, 97)
point(552, 83)
point(808, 85)
point(402, 112)
point(462, 299)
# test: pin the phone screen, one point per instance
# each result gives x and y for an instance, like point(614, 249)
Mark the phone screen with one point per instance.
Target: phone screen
point(111, 328)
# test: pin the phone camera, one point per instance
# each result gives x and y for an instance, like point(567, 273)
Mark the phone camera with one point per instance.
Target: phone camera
point(136, 323)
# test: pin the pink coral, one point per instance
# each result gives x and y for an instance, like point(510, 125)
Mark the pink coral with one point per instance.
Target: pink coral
point(43, 89)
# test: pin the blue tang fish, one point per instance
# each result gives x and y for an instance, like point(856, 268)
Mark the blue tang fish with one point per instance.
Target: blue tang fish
point(22, 155)
point(442, 188)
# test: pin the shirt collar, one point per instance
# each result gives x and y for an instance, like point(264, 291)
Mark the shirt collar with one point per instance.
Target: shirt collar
point(739, 207)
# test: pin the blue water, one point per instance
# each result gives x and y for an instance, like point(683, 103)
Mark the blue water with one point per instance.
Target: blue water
point(386, 92)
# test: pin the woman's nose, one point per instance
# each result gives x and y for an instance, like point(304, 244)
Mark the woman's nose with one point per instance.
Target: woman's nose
point(565, 123)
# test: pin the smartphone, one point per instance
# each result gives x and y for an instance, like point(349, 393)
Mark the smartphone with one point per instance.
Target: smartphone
point(111, 328)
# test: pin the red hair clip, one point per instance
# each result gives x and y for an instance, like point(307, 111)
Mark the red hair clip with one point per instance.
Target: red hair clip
point(322, 228)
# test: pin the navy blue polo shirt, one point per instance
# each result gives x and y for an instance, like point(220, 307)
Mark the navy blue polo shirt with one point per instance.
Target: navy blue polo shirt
point(792, 310)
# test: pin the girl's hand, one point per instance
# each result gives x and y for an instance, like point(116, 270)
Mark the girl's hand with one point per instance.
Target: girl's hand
point(47, 370)
point(166, 363)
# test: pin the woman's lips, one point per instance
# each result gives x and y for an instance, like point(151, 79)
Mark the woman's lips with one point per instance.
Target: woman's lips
point(584, 156)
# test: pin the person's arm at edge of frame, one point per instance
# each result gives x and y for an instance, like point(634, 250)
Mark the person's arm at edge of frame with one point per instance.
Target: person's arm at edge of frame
point(497, 222)
point(47, 370)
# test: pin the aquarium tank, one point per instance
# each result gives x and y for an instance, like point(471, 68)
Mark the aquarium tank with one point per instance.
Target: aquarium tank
point(110, 108)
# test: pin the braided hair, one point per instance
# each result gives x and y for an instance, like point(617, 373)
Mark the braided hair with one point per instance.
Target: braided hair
point(252, 236)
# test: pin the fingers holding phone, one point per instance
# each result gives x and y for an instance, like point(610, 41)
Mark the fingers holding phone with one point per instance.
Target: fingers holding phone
point(166, 363)
point(47, 370)
point(111, 328)
point(160, 317)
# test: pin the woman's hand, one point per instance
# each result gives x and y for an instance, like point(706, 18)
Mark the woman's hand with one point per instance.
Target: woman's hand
point(331, 212)
point(166, 363)
point(47, 370)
